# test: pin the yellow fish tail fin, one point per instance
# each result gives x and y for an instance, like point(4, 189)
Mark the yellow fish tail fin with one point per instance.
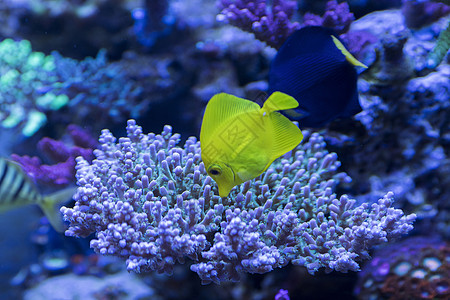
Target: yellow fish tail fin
point(279, 101)
point(350, 58)
point(284, 136)
point(50, 209)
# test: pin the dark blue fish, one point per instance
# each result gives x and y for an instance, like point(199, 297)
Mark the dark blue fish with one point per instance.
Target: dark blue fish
point(315, 68)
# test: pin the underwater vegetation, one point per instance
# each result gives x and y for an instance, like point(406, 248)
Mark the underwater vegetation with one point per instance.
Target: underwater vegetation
point(149, 202)
point(273, 24)
point(29, 87)
point(152, 22)
point(420, 13)
point(405, 113)
point(270, 24)
point(99, 91)
point(152, 203)
point(441, 48)
point(416, 268)
point(337, 16)
point(282, 295)
point(34, 85)
point(76, 29)
point(120, 285)
point(61, 154)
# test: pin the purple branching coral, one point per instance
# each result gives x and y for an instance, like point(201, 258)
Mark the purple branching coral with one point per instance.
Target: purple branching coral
point(62, 154)
point(336, 16)
point(282, 295)
point(152, 21)
point(271, 25)
point(274, 25)
point(420, 13)
point(415, 268)
point(153, 204)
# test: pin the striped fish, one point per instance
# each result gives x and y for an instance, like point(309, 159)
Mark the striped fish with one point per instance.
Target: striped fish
point(17, 189)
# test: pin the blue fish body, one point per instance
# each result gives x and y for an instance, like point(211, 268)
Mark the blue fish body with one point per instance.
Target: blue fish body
point(310, 67)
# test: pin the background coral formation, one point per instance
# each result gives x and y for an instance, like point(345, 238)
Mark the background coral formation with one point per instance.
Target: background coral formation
point(29, 86)
point(152, 203)
point(416, 268)
point(95, 64)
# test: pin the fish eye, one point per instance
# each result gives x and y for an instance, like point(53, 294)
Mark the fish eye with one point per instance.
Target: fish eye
point(215, 171)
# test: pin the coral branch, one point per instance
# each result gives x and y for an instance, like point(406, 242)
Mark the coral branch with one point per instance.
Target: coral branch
point(152, 203)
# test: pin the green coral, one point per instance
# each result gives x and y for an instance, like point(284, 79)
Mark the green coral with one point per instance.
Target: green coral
point(33, 84)
point(82, 9)
point(28, 86)
point(440, 49)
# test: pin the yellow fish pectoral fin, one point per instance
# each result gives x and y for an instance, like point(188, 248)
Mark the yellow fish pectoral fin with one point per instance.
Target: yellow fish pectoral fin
point(50, 209)
point(279, 101)
point(246, 175)
point(284, 135)
point(350, 58)
point(221, 108)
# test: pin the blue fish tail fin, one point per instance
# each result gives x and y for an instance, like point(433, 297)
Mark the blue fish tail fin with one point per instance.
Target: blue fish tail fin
point(352, 108)
point(50, 209)
point(279, 101)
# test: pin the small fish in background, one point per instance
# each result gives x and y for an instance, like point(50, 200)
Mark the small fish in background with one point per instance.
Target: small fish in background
point(17, 189)
point(314, 67)
point(240, 140)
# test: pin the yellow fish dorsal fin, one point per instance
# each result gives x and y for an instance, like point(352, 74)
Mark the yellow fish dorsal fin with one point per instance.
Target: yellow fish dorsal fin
point(350, 58)
point(221, 108)
point(279, 101)
point(282, 135)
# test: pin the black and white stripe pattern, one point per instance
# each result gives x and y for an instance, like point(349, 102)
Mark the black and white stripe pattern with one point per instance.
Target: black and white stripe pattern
point(15, 186)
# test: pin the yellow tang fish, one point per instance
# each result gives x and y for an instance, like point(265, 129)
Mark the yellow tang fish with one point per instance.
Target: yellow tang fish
point(17, 189)
point(240, 140)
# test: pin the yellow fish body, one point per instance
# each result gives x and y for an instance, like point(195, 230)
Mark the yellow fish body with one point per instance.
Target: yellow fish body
point(240, 140)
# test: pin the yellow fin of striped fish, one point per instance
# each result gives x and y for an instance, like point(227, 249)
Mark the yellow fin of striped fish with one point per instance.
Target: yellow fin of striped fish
point(50, 207)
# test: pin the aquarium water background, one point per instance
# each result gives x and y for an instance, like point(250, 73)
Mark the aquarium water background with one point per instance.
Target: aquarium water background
point(359, 210)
